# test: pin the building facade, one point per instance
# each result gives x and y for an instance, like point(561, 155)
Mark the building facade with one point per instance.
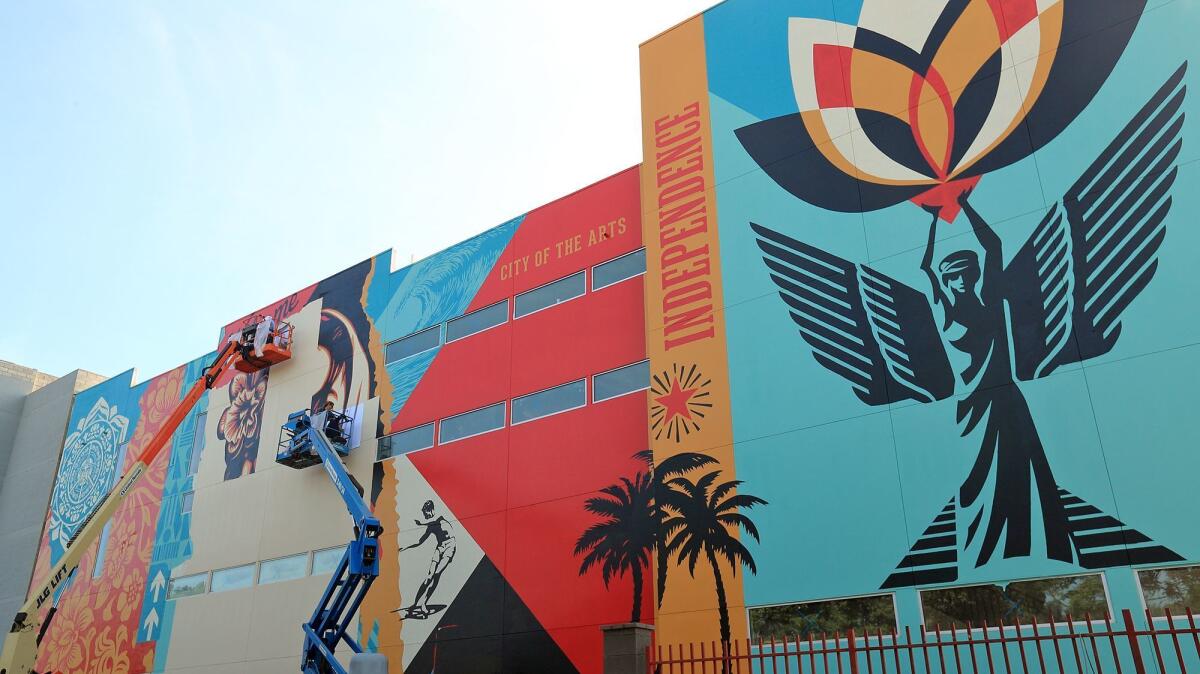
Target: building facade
point(33, 417)
point(496, 388)
point(927, 261)
point(889, 329)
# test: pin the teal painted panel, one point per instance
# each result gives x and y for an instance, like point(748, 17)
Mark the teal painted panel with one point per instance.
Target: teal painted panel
point(830, 322)
point(818, 541)
point(1145, 408)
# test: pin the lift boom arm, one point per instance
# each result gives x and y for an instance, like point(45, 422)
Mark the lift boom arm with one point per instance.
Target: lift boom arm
point(355, 572)
point(28, 627)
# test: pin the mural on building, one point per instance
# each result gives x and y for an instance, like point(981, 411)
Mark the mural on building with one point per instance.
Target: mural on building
point(99, 625)
point(349, 340)
point(89, 458)
point(240, 424)
point(911, 213)
point(479, 571)
point(960, 208)
point(624, 540)
point(483, 521)
point(442, 531)
point(1065, 289)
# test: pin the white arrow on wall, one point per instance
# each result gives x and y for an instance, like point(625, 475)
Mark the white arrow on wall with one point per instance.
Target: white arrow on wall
point(151, 623)
point(158, 584)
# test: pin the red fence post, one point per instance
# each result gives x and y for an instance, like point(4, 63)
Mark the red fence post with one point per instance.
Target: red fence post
point(1134, 647)
point(852, 650)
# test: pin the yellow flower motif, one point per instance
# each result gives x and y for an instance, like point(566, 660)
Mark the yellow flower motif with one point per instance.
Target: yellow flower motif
point(66, 645)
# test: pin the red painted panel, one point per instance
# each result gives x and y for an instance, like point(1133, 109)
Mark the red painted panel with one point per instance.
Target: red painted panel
point(466, 374)
point(280, 310)
point(542, 568)
point(468, 474)
point(576, 452)
point(580, 337)
point(521, 491)
point(595, 224)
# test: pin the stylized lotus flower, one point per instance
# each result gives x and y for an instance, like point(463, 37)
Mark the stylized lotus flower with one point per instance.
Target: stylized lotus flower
point(920, 99)
point(239, 424)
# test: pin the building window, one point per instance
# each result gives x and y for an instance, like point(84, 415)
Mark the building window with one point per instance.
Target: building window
point(98, 567)
point(551, 401)
point(1173, 590)
point(234, 578)
point(198, 442)
point(188, 498)
point(615, 271)
point(404, 442)
point(549, 295)
point(187, 586)
point(284, 568)
point(477, 321)
point(620, 381)
point(823, 617)
point(326, 561)
point(418, 342)
point(1021, 600)
point(471, 423)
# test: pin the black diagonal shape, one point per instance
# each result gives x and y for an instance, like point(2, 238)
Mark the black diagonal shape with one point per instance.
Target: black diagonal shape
point(494, 631)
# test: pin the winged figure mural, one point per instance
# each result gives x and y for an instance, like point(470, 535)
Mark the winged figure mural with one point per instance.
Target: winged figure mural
point(922, 117)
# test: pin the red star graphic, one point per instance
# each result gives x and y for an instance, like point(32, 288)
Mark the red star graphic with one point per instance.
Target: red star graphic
point(676, 401)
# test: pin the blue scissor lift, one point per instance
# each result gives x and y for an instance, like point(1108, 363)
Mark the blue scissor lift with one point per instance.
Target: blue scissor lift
point(301, 445)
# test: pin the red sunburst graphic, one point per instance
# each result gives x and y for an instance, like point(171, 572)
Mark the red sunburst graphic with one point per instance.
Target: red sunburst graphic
point(679, 400)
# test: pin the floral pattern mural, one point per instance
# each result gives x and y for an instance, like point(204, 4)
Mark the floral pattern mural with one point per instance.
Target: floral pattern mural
point(241, 423)
point(97, 628)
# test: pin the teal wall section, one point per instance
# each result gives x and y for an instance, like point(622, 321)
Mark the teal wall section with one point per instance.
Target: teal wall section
point(851, 487)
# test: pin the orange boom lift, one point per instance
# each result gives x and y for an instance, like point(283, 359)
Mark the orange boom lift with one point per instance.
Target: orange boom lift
point(29, 625)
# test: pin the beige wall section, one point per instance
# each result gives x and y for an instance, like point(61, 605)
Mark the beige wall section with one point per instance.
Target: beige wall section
point(16, 382)
point(34, 408)
point(274, 512)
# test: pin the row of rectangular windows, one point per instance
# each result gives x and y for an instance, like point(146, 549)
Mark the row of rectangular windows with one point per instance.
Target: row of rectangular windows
point(1164, 589)
point(603, 275)
point(256, 573)
point(561, 398)
point(556, 292)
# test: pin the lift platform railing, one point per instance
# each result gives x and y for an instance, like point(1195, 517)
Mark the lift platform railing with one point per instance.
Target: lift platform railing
point(297, 451)
point(277, 348)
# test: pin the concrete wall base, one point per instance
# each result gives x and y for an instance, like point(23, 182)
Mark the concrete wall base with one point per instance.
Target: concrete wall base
point(625, 647)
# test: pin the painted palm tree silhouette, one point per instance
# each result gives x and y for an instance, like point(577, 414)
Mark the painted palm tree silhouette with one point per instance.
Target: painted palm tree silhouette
point(703, 520)
point(622, 542)
point(666, 470)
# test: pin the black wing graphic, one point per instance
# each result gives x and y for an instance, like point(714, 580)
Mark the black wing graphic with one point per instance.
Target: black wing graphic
point(1093, 254)
point(874, 331)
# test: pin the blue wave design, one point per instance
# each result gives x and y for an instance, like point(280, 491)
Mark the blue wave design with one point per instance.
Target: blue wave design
point(406, 374)
point(434, 290)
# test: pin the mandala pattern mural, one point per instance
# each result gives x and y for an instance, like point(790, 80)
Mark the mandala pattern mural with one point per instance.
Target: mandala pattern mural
point(86, 472)
point(98, 627)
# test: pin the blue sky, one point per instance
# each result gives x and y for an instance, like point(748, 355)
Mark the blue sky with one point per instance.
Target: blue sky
point(168, 167)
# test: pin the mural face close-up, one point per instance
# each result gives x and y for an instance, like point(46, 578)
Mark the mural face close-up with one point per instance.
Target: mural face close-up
point(969, 215)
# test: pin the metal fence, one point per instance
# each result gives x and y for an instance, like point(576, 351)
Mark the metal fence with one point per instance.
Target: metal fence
point(1167, 644)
